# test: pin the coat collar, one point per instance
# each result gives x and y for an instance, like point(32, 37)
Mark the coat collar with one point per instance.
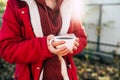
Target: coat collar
point(65, 11)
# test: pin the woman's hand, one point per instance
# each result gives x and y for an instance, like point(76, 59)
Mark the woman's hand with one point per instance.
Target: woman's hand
point(62, 51)
point(76, 44)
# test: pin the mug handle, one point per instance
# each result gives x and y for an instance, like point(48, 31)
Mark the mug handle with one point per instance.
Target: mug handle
point(73, 36)
point(51, 47)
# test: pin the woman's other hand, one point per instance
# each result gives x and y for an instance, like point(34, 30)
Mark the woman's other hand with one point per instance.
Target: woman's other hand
point(76, 45)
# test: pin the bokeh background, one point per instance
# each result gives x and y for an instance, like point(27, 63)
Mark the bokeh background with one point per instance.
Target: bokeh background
point(100, 60)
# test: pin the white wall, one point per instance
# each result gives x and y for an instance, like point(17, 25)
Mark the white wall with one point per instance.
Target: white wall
point(110, 33)
point(110, 24)
point(102, 1)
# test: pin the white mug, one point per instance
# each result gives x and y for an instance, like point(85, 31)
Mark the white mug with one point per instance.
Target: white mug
point(69, 41)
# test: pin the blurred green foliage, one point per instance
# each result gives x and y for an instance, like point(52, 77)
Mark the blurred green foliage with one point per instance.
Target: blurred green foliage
point(6, 69)
point(2, 8)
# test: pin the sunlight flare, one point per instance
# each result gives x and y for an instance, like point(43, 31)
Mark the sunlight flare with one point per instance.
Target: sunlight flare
point(78, 9)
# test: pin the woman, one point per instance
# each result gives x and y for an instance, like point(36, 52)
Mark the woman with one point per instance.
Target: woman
point(27, 28)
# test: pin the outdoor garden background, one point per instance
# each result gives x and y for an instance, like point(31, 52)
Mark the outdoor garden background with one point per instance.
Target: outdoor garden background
point(100, 60)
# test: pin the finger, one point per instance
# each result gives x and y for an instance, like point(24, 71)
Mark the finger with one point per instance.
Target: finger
point(64, 52)
point(57, 43)
point(75, 48)
point(50, 37)
point(61, 51)
point(58, 50)
point(77, 39)
point(76, 44)
point(71, 52)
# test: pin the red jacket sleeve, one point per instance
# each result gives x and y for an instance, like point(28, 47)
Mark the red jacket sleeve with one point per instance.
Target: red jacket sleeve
point(79, 31)
point(13, 48)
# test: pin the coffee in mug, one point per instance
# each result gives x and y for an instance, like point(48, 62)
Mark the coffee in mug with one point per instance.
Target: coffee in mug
point(69, 41)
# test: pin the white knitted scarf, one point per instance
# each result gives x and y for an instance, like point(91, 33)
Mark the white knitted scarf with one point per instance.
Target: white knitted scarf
point(65, 10)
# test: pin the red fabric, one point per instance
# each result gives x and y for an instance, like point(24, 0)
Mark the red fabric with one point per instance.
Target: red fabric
point(19, 46)
point(52, 69)
point(50, 19)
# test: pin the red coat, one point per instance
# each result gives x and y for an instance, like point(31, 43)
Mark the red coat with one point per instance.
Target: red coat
point(18, 44)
